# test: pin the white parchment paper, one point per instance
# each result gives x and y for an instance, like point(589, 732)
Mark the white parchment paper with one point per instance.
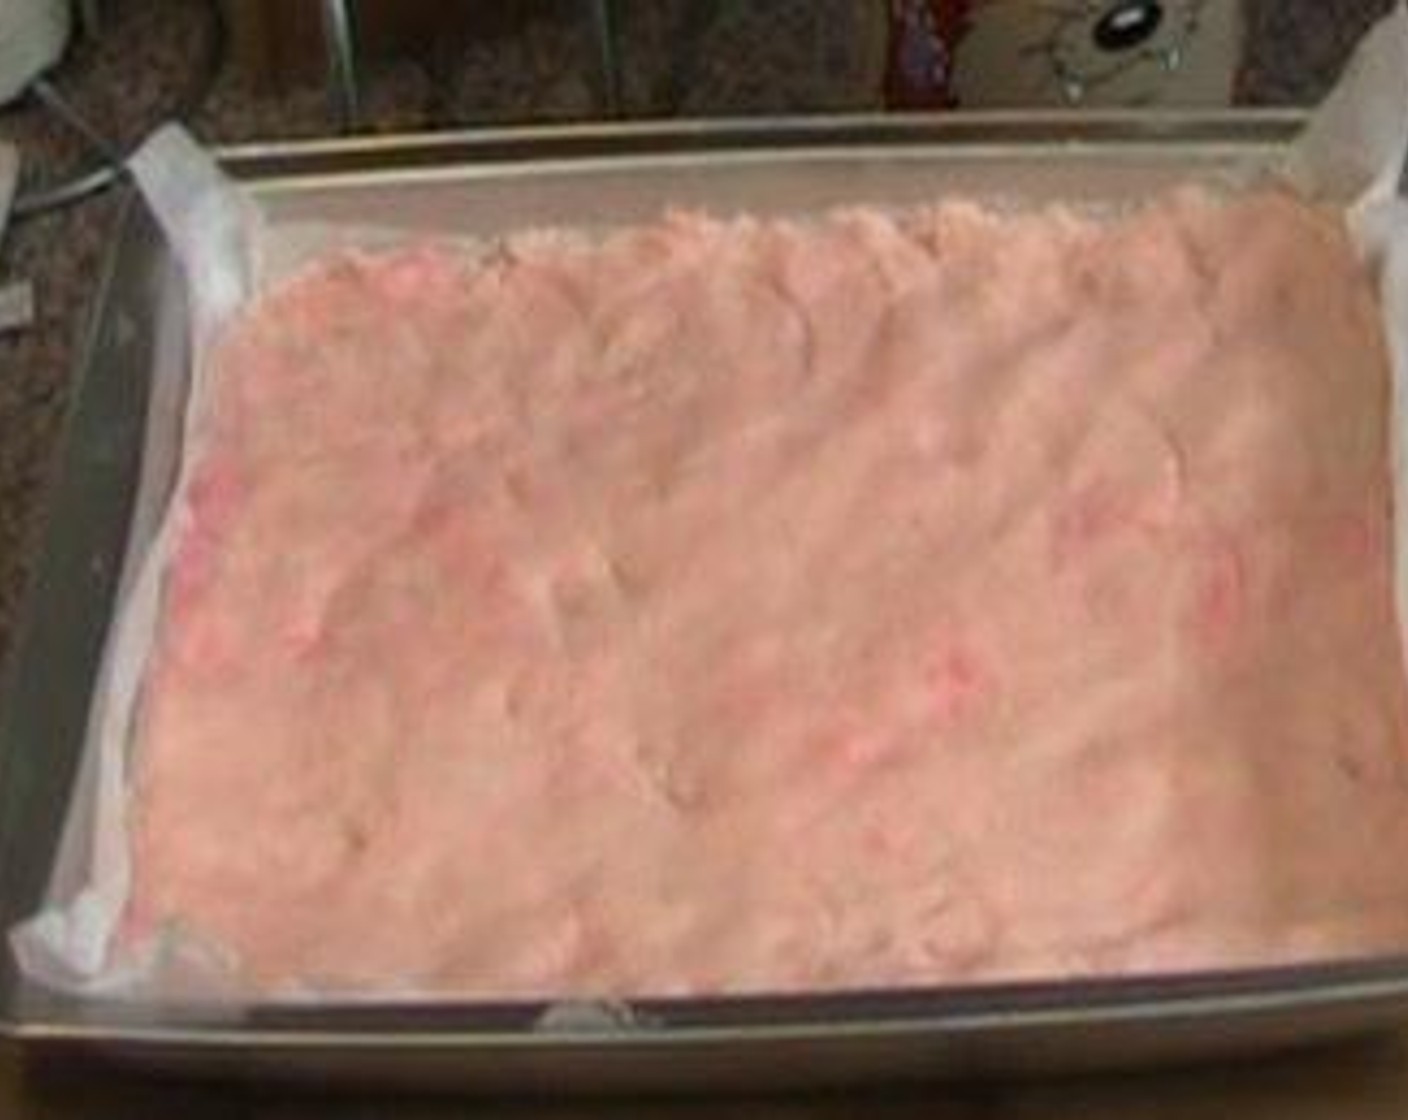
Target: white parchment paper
point(1351, 154)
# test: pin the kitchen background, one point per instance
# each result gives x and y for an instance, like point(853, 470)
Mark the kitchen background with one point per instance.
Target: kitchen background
point(460, 63)
point(260, 73)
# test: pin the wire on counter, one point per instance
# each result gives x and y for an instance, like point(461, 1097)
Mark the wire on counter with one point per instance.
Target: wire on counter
point(32, 203)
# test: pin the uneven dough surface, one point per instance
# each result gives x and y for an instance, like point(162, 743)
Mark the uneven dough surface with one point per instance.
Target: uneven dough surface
point(878, 599)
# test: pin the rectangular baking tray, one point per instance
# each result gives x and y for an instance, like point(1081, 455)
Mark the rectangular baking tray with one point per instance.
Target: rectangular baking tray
point(484, 183)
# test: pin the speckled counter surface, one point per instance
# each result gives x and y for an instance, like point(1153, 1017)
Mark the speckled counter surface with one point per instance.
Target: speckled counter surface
point(782, 55)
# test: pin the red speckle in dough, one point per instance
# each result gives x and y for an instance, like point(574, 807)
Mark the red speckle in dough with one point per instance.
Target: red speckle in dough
point(417, 275)
point(212, 499)
point(302, 638)
point(1357, 539)
point(204, 644)
point(1220, 596)
point(1085, 520)
point(957, 684)
point(189, 570)
point(864, 749)
point(214, 492)
point(889, 837)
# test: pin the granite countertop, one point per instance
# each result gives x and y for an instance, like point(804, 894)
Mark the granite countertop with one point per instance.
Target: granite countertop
point(792, 55)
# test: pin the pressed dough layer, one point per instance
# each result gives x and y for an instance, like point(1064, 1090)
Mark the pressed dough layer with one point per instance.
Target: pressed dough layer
point(882, 599)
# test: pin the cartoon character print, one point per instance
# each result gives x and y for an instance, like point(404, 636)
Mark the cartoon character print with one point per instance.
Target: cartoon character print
point(1016, 53)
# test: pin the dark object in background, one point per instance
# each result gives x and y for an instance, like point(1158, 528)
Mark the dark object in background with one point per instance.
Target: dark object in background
point(281, 41)
point(1296, 48)
point(924, 34)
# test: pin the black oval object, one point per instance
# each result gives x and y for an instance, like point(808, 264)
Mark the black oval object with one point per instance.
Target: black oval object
point(1128, 24)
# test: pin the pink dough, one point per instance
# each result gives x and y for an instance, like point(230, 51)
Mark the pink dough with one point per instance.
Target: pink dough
point(882, 599)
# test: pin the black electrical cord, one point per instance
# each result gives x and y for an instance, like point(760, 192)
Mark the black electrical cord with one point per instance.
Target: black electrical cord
point(32, 203)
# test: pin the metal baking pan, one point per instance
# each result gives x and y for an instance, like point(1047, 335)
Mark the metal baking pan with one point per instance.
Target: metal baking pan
point(485, 183)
